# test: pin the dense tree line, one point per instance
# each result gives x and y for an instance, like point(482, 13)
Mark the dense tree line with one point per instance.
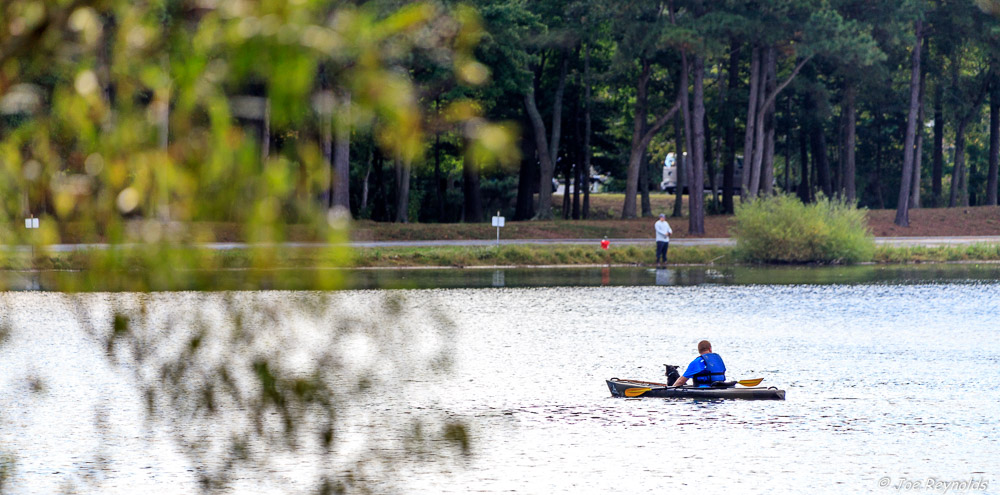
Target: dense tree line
point(878, 103)
point(831, 98)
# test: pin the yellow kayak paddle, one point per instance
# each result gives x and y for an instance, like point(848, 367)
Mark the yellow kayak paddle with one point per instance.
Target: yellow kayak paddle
point(636, 391)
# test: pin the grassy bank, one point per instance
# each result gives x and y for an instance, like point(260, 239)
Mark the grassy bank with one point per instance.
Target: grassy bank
point(533, 255)
point(460, 256)
point(937, 254)
point(539, 255)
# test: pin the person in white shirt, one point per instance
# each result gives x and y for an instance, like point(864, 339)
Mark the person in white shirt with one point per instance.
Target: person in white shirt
point(663, 232)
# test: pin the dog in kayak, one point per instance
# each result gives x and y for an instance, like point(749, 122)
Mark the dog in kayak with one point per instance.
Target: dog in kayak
point(672, 373)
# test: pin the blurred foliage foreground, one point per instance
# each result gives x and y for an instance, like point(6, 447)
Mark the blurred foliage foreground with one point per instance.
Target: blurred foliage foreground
point(285, 392)
point(135, 121)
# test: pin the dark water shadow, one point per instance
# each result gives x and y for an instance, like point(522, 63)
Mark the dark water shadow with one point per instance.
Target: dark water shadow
point(356, 279)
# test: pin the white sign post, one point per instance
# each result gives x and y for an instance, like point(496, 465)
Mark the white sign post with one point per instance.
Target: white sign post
point(498, 221)
point(31, 223)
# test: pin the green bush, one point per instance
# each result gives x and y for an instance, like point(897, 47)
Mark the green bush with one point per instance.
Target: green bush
point(781, 229)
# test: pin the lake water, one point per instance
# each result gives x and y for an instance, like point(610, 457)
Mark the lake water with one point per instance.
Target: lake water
point(889, 379)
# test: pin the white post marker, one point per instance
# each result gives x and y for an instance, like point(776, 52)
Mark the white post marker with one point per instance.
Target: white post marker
point(498, 221)
point(31, 223)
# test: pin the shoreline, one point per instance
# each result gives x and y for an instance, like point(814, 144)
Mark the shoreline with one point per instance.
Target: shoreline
point(463, 254)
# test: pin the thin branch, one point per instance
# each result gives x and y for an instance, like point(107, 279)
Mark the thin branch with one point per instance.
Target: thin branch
point(660, 122)
point(795, 72)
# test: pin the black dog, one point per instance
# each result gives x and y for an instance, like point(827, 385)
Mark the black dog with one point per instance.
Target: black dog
point(672, 374)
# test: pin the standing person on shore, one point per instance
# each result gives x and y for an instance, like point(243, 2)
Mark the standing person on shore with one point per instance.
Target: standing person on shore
point(663, 232)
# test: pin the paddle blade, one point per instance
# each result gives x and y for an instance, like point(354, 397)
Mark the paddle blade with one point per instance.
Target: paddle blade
point(753, 382)
point(635, 392)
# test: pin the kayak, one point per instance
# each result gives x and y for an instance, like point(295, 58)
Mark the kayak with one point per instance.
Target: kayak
point(660, 390)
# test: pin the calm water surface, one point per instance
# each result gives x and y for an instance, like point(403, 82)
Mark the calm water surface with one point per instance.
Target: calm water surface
point(884, 379)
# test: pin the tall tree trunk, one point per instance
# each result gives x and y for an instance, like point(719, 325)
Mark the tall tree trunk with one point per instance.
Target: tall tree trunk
point(713, 150)
point(546, 166)
point(557, 104)
point(729, 124)
point(937, 163)
point(959, 181)
point(688, 130)
point(577, 185)
point(821, 164)
point(642, 133)
point(586, 132)
point(788, 148)
point(576, 156)
point(380, 204)
point(751, 120)
point(767, 162)
point(766, 102)
point(162, 98)
point(265, 130)
point(757, 157)
point(364, 182)
point(917, 164)
point(696, 194)
point(326, 142)
point(342, 157)
point(472, 210)
point(678, 167)
point(645, 207)
point(710, 165)
point(918, 145)
point(991, 174)
point(804, 185)
point(850, 142)
point(567, 171)
point(906, 182)
point(817, 145)
point(104, 55)
point(876, 182)
point(768, 57)
point(402, 191)
point(527, 179)
point(838, 170)
point(440, 182)
point(548, 151)
point(633, 173)
point(958, 175)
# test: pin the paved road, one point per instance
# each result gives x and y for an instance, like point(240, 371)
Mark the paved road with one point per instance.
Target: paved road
point(697, 241)
point(700, 241)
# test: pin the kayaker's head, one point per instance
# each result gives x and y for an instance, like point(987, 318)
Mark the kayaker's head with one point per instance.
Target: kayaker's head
point(704, 347)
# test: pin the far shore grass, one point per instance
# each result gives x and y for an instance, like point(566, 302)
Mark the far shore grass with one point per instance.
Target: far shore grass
point(463, 256)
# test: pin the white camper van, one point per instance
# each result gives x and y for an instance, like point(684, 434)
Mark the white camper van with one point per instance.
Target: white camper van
point(669, 182)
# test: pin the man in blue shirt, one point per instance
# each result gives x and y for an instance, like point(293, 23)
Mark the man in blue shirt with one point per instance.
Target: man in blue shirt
point(705, 369)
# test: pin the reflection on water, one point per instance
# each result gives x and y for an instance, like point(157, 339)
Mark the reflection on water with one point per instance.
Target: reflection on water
point(883, 379)
point(498, 278)
point(664, 276)
point(549, 277)
point(675, 276)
